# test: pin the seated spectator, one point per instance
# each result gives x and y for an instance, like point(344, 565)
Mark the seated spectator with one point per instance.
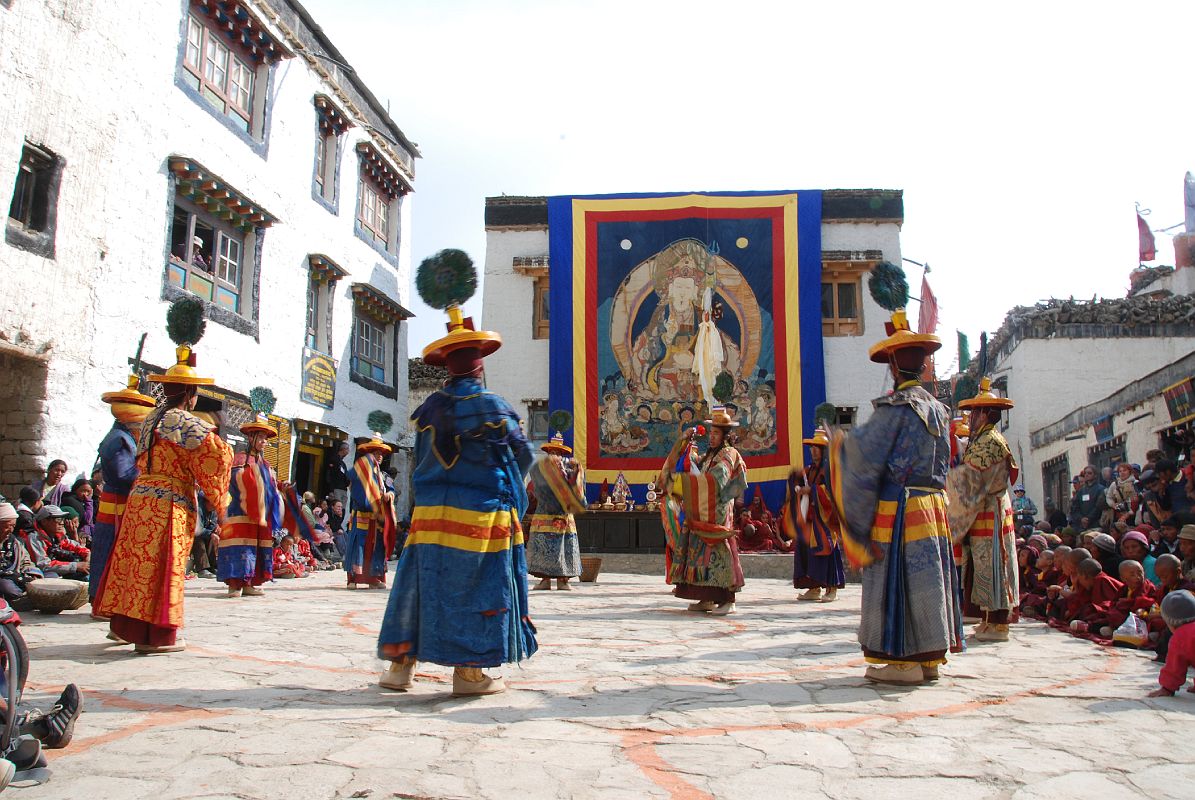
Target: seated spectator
point(1167, 538)
point(286, 562)
point(51, 488)
point(1186, 549)
point(336, 524)
point(1027, 557)
point(28, 506)
point(1106, 552)
point(1170, 579)
point(310, 511)
point(49, 550)
point(1055, 517)
point(1090, 603)
point(16, 568)
point(1033, 598)
point(1134, 546)
point(1178, 610)
point(1059, 594)
point(1138, 595)
point(1122, 497)
point(206, 547)
point(81, 498)
point(303, 553)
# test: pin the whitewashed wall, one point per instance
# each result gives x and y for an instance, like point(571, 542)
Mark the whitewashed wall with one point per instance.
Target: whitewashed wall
point(105, 101)
point(1050, 378)
point(519, 370)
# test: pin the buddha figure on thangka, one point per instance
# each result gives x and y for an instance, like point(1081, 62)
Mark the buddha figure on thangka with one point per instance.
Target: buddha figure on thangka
point(684, 326)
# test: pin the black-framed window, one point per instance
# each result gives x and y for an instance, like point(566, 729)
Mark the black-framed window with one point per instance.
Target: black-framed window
point(537, 420)
point(311, 337)
point(318, 325)
point(209, 257)
point(33, 209)
point(540, 308)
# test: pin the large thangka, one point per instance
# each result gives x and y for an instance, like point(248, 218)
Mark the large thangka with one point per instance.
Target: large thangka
point(634, 278)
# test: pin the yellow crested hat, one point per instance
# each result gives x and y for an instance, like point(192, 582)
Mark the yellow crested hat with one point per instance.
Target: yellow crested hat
point(374, 445)
point(820, 438)
point(557, 446)
point(259, 424)
point(985, 397)
point(460, 334)
point(129, 394)
point(901, 337)
point(720, 418)
point(183, 371)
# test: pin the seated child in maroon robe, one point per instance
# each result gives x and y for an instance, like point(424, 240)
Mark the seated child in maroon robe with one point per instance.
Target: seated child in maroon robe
point(1027, 556)
point(1033, 601)
point(286, 564)
point(1170, 579)
point(1058, 594)
point(1178, 610)
point(752, 538)
point(1138, 594)
point(1090, 603)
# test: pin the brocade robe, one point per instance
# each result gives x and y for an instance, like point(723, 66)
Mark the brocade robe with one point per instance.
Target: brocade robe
point(980, 515)
point(553, 550)
point(887, 480)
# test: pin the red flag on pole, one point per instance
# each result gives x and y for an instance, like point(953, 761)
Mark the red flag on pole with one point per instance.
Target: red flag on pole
point(927, 315)
point(1145, 241)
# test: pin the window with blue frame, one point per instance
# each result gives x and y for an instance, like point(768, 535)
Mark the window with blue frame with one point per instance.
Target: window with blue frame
point(207, 256)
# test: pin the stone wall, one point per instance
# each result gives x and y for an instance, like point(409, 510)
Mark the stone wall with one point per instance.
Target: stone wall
point(23, 456)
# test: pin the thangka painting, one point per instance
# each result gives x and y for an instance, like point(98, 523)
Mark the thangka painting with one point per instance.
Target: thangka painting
point(662, 305)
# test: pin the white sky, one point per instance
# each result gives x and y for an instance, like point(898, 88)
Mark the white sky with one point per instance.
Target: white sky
point(1021, 133)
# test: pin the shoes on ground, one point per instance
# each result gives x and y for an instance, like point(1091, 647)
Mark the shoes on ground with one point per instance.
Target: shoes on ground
point(703, 605)
point(564, 586)
point(811, 594)
point(898, 674)
point(929, 673)
point(830, 596)
point(992, 633)
point(149, 650)
point(233, 592)
point(464, 687)
point(723, 610)
point(397, 676)
point(543, 585)
point(253, 591)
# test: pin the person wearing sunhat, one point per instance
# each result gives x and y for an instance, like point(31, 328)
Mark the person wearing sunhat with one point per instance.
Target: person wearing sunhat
point(117, 456)
point(702, 560)
point(558, 484)
point(245, 558)
point(981, 515)
point(460, 588)
point(142, 587)
point(817, 562)
point(372, 530)
point(887, 480)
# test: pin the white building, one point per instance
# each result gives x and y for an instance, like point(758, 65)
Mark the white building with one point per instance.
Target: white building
point(217, 147)
point(860, 228)
point(1089, 378)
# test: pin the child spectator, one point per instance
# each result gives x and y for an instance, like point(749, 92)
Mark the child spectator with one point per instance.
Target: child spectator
point(1106, 553)
point(81, 498)
point(1095, 592)
point(286, 562)
point(1178, 610)
point(1170, 579)
point(1167, 539)
point(1138, 594)
point(1059, 594)
point(1134, 546)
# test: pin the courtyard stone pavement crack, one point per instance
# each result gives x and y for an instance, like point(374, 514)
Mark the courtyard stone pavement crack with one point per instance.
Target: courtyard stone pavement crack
point(630, 696)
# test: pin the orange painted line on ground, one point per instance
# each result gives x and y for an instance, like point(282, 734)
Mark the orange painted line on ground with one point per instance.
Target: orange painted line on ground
point(640, 744)
point(640, 750)
point(79, 746)
point(347, 621)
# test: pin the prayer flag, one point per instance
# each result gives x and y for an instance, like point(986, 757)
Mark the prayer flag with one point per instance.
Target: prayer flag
point(927, 315)
point(964, 352)
point(1145, 240)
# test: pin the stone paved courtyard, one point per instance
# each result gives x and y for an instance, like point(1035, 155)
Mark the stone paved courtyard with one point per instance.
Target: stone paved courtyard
point(629, 697)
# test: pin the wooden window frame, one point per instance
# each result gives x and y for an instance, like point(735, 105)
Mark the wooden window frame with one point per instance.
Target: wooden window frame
point(327, 144)
point(837, 274)
point(378, 211)
point(221, 234)
point(539, 297)
point(311, 321)
point(373, 359)
point(224, 93)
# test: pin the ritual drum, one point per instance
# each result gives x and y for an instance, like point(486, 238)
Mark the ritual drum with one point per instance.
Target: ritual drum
point(55, 596)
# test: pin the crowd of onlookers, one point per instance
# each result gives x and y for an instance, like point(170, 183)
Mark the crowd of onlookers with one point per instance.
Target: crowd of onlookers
point(1120, 566)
